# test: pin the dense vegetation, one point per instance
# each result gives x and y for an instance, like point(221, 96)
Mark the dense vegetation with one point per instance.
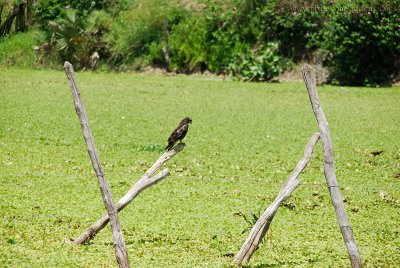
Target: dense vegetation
point(244, 141)
point(251, 40)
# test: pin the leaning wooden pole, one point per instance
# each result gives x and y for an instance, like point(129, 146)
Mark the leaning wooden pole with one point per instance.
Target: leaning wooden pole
point(261, 227)
point(121, 252)
point(144, 182)
point(330, 176)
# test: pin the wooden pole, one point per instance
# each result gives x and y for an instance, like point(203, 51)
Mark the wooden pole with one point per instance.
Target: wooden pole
point(330, 176)
point(144, 182)
point(121, 252)
point(261, 227)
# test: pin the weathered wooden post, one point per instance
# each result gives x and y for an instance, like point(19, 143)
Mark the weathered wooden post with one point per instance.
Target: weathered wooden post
point(121, 252)
point(330, 176)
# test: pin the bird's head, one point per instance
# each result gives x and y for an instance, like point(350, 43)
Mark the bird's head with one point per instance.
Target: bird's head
point(186, 120)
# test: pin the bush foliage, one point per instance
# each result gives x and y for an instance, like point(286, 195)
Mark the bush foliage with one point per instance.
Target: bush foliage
point(364, 43)
point(53, 10)
point(77, 39)
point(252, 40)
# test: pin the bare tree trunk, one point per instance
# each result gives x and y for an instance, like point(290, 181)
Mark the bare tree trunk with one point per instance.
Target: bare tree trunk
point(319, 71)
point(166, 46)
point(121, 252)
point(20, 18)
point(330, 176)
point(261, 227)
point(29, 14)
point(5, 28)
point(1, 13)
point(144, 182)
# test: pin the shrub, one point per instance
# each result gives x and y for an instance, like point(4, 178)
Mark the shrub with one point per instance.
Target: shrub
point(131, 37)
point(296, 26)
point(364, 43)
point(262, 64)
point(188, 45)
point(53, 10)
point(226, 34)
point(137, 35)
point(77, 38)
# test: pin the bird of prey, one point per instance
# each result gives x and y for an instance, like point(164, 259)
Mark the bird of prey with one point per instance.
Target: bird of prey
point(179, 133)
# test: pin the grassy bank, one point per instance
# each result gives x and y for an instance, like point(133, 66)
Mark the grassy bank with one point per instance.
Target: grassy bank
point(243, 143)
point(18, 49)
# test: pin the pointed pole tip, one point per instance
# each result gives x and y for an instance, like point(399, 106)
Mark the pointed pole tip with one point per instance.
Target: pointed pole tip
point(305, 66)
point(67, 64)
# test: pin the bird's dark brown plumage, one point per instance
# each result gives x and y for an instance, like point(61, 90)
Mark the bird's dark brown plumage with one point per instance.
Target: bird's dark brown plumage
point(179, 133)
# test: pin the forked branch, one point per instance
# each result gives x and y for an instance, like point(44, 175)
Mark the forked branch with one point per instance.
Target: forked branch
point(144, 182)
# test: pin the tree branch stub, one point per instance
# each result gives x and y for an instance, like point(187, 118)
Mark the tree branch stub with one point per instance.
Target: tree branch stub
point(144, 182)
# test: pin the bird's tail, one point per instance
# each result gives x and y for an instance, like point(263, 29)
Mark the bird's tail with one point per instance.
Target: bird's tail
point(169, 146)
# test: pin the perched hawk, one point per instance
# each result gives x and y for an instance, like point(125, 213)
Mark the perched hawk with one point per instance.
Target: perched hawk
point(179, 133)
